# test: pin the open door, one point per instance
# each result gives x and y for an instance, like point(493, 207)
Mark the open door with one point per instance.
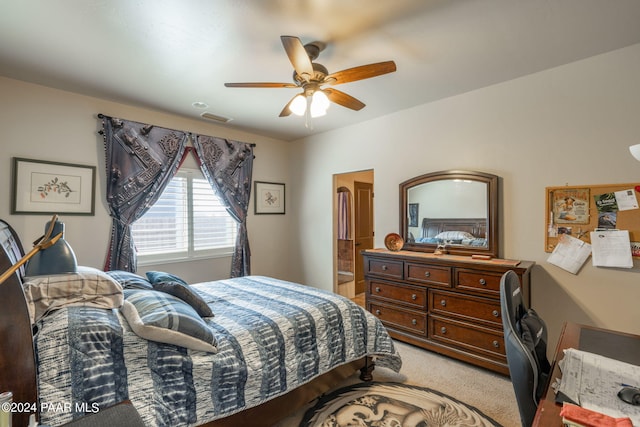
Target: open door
point(346, 254)
point(363, 228)
point(353, 229)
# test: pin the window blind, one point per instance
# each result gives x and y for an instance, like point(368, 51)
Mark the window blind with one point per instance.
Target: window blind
point(187, 221)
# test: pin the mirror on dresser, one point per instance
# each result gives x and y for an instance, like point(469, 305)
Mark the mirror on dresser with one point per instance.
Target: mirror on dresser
point(457, 210)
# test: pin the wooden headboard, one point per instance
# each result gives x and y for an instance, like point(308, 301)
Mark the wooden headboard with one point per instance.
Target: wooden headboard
point(17, 356)
point(431, 227)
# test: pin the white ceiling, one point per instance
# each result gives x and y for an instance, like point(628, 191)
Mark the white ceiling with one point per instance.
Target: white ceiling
point(167, 54)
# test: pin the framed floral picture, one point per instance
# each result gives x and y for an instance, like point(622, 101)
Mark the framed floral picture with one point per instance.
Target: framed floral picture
point(269, 198)
point(43, 187)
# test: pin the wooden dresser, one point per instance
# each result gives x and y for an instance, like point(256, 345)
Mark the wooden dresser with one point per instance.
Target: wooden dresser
point(449, 304)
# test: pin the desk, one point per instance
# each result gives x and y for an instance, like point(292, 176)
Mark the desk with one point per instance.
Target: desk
point(612, 344)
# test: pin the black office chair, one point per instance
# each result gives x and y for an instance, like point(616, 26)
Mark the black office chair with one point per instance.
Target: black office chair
point(525, 337)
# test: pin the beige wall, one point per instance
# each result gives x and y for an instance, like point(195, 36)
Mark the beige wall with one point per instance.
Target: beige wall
point(569, 125)
point(42, 123)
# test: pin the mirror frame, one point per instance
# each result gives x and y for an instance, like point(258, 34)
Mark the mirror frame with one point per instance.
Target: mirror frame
point(492, 249)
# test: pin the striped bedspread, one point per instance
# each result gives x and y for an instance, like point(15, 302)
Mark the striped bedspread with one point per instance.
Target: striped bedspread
point(272, 336)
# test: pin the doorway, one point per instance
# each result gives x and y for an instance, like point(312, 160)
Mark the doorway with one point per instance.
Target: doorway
point(353, 229)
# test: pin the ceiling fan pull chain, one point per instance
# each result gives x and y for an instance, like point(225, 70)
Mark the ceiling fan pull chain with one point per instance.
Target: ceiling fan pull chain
point(308, 121)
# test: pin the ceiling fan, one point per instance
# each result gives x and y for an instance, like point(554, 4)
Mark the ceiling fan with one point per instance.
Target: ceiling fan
point(311, 76)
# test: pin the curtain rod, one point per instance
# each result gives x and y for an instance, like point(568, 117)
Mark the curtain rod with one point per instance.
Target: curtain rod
point(102, 116)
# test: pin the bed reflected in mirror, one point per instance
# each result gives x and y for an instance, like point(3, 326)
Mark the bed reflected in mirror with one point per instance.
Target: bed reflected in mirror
point(455, 210)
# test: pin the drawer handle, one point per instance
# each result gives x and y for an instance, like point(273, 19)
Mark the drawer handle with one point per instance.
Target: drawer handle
point(427, 273)
point(377, 312)
point(482, 282)
point(443, 330)
point(414, 322)
point(414, 297)
point(384, 268)
point(377, 288)
point(443, 303)
point(496, 313)
point(496, 344)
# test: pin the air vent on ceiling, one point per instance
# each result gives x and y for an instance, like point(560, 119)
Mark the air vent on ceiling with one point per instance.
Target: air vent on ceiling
point(215, 117)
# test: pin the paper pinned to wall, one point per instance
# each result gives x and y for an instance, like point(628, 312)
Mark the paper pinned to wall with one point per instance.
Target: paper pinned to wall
point(611, 248)
point(570, 253)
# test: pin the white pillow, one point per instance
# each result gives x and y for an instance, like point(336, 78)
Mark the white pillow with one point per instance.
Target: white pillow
point(88, 287)
point(454, 235)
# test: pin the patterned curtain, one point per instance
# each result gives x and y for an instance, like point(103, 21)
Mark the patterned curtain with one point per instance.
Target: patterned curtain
point(228, 166)
point(141, 160)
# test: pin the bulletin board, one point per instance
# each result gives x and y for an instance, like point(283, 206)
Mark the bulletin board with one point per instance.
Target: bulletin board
point(578, 210)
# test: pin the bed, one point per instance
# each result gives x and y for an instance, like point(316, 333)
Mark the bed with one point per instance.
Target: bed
point(274, 347)
point(464, 231)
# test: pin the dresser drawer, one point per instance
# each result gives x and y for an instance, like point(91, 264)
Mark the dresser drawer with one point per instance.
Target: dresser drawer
point(478, 281)
point(465, 307)
point(475, 339)
point(412, 296)
point(384, 267)
point(398, 318)
point(428, 274)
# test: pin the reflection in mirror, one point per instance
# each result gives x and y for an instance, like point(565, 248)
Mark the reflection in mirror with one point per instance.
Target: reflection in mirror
point(448, 199)
point(453, 209)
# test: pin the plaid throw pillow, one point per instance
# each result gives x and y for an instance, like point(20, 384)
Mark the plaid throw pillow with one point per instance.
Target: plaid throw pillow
point(130, 280)
point(88, 287)
point(158, 316)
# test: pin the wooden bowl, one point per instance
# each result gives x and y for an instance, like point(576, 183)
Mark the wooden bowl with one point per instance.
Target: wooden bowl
point(393, 241)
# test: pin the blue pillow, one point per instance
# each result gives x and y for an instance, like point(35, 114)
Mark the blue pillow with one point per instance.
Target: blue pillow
point(186, 294)
point(161, 276)
point(129, 280)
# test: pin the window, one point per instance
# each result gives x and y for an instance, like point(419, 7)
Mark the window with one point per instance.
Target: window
point(187, 222)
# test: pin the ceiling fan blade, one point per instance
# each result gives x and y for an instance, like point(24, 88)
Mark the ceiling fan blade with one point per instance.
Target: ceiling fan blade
point(361, 72)
point(298, 56)
point(343, 99)
point(260, 85)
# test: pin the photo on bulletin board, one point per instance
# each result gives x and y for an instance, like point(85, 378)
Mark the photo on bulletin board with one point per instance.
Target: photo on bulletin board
point(571, 206)
point(607, 220)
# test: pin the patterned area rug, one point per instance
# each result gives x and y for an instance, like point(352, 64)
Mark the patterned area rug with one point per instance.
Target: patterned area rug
point(392, 405)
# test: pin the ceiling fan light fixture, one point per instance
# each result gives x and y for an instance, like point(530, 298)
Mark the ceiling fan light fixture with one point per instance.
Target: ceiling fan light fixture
point(315, 113)
point(319, 104)
point(298, 105)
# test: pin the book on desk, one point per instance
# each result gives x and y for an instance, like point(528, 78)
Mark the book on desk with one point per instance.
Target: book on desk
point(576, 416)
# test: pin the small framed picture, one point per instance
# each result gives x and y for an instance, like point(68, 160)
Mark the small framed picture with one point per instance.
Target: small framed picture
point(42, 187)
point(269, 198)
point(413, 214)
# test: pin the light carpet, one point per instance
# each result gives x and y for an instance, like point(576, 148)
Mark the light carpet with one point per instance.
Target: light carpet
point(490, 393)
